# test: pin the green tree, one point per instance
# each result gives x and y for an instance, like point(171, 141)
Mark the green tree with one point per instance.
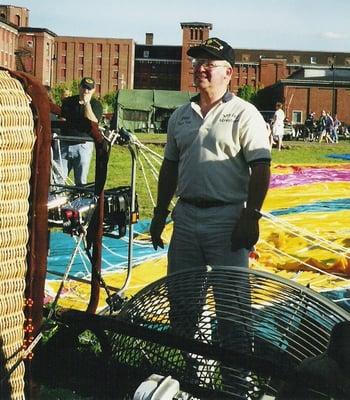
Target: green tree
point(58, 90)
point(248, 93)
point(109, 102)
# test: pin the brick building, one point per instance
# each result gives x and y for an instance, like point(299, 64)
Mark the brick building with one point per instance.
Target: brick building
point(122, 64)
point(109, 61)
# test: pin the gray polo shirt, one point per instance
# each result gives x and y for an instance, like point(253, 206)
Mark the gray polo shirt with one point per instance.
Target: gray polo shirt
point(214, 152)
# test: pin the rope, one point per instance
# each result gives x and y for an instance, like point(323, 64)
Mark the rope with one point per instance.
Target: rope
point(307, 235)
point(281, 252)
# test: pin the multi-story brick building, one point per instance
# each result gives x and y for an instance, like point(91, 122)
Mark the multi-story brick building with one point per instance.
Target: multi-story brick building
point(109, 61)
point(121, 63)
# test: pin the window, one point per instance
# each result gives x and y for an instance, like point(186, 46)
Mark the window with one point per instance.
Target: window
point(98, 74)
point(80, 73)
point(81, 60)
point(146, 54)
point(99, 61)
point(81, 46)
point(99, 47)
point(313, 60)
point(63, 73)
point(63, 59)
point(18, 20)
point(201, 34)
point(297, 117)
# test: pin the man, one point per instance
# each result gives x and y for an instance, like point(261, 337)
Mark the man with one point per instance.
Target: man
point(76, 153)
point(217, 158)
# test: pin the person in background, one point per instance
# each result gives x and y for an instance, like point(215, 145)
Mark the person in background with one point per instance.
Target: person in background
point(217, 160)
point(278, 125)
point(335, 131)
point(78, 112)
point(326, 127)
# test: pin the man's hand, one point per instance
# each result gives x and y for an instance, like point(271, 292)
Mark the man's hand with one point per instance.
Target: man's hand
point(157, 227)
point(246, 232)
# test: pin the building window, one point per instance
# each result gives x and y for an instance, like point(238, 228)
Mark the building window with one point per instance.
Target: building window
point(115, 74)
point(81, 60)
point(99, 47)
point(297, 117)
point(201, 34)
point(313, 60)
point(99, 61)
point(146, 54)
point(63, 73)
point(191, 34)
point(18, 20)
point(98, 88)
point(63, 59)
point(80, 73)
point(99, 74)
point(81, 46)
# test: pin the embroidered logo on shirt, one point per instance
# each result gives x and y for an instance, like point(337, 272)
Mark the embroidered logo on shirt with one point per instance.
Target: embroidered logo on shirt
point(229, 117)
point(184, 120)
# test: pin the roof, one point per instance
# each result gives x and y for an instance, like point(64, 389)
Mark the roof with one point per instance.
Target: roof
point(320, 74)
point(33, 30)
point(196, 24)
point(145, 100)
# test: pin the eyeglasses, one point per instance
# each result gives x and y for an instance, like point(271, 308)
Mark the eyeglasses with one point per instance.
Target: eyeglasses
point(207, 64)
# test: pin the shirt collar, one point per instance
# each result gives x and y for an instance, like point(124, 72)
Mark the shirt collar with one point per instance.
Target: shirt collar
point(225, 98)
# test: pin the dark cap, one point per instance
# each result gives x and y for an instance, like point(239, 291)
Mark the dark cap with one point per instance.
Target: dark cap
point(87, 83)
point(213, 48)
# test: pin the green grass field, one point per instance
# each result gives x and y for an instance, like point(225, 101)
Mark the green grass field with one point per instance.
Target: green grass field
point(119, 168)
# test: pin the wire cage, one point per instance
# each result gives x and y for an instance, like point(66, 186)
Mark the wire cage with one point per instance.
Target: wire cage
point(224, 332)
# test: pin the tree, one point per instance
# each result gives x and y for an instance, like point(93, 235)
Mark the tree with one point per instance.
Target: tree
point(248, 93)
point(58, 90)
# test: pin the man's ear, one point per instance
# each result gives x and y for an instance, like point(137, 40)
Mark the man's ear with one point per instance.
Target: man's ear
point(229, 72)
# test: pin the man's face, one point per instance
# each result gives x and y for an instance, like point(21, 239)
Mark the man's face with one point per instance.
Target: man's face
point(211, 73)
point(84, 90)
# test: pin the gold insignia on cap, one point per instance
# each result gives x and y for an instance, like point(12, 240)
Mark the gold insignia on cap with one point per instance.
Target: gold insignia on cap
point(89, 80)
point(215, 44)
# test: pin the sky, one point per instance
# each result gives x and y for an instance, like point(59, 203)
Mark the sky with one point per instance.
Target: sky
point(254, 24)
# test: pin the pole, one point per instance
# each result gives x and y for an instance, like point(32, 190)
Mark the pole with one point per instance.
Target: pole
point(333, 85)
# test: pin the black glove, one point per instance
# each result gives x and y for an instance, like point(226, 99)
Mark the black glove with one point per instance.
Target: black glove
point(157, 226)
point(246, 231)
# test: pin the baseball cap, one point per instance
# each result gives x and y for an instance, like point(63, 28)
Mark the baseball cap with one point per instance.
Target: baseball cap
point(213, 48)
point(87, 83)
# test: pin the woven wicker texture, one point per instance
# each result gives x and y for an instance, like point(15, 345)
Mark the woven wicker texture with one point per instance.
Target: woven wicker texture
point(270, 323)
point(16, 145)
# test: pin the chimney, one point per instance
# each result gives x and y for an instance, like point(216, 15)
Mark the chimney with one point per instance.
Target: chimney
point(149, 39)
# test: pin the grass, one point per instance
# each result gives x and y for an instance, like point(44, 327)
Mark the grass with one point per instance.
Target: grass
point(119, 168)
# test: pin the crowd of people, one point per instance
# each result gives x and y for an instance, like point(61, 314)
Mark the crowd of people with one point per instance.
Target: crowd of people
point(327, 128)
